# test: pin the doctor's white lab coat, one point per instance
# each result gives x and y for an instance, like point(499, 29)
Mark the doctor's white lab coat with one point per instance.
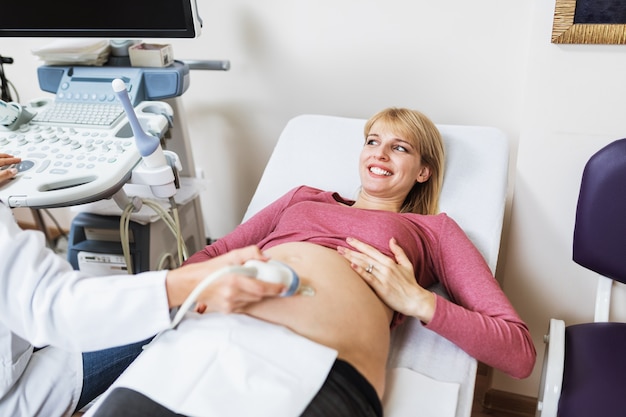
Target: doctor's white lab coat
point(44, 302)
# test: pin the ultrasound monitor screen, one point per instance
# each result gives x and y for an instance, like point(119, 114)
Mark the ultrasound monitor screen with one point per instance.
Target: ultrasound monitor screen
point(130, 19)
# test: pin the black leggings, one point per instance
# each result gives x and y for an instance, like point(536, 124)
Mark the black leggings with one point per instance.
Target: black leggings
point(345, 393)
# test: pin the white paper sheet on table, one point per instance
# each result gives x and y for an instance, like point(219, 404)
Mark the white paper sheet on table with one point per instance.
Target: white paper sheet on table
point(228, 365)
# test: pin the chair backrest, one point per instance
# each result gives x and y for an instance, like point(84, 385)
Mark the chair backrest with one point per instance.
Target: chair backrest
point(600, 229)
point(322, 151)
point(590, 354)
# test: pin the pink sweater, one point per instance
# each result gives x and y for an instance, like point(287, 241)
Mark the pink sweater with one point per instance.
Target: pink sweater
point(479, 319)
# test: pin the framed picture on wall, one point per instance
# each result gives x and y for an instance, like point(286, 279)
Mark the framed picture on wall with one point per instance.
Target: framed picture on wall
point(589, 22)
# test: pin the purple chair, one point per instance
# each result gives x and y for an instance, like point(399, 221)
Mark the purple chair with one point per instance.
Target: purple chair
point(584, 369)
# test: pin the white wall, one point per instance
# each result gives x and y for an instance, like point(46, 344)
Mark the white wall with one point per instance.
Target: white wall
point(484, 62)
point(349, 58)
point(574, 106)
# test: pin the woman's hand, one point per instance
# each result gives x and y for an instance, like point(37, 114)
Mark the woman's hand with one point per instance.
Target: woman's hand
point(231, 293)
point(7, 173)
point(392, 279)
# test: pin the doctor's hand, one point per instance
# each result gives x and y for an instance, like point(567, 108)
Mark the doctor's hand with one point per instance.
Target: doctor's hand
point(392, 279)
point(230, 293)
point(5, 161)
point(233, 293)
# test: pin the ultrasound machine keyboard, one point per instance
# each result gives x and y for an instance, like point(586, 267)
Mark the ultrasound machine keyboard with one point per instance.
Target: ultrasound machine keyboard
point(71, 164)
point(57, 159)
point(79, 147)
point(80, 114)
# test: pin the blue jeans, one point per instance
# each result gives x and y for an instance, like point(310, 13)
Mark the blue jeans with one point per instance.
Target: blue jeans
point(102, 367)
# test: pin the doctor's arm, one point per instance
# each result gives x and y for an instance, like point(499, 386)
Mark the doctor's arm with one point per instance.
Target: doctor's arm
point(228, 294)
point(45, 301)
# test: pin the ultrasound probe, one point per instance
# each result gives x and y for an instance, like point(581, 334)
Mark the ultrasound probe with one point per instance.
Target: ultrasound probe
point(270, 271)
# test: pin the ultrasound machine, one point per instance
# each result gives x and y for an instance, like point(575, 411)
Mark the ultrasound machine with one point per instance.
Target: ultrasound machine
point(112, 143)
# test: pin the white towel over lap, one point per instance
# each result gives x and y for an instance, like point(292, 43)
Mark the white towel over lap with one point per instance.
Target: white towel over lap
point(217, 365)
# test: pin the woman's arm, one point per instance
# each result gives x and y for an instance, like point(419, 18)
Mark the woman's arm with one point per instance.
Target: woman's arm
point(253, 231)
point(480, 319)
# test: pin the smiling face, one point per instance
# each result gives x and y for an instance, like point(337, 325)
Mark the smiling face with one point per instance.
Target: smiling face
point(389, 166)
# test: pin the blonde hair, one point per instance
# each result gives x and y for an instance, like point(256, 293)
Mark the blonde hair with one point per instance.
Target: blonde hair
point(417, 128)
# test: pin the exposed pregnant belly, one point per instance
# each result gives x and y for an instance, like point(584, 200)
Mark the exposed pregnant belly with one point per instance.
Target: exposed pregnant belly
point(344, 314)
